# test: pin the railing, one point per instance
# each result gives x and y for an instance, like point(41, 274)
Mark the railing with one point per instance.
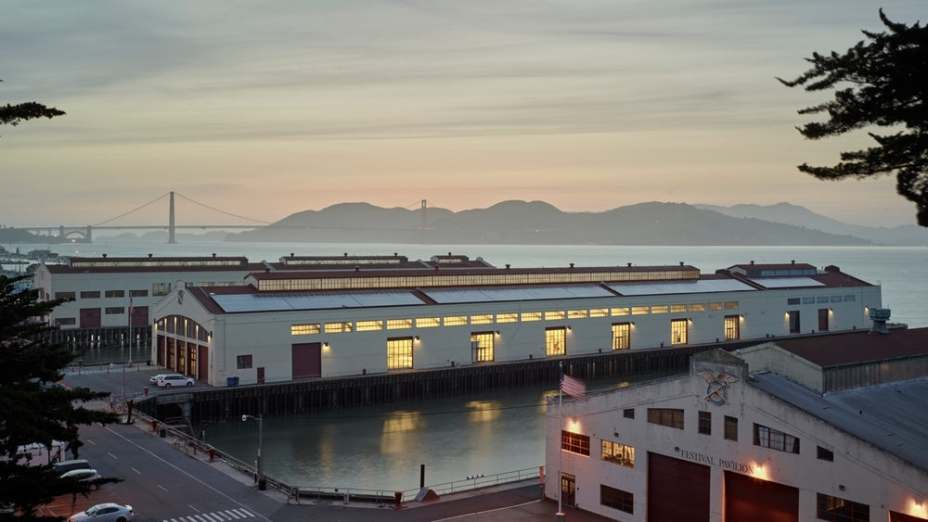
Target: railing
point(480, 481)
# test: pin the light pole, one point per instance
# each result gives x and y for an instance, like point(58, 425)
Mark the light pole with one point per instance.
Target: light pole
point(261, 483)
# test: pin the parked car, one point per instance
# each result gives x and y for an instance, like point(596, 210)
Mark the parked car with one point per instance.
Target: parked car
point(81, 475)
point(109, 512)
point(155, 378)
point(175, 379)
point(70, 465)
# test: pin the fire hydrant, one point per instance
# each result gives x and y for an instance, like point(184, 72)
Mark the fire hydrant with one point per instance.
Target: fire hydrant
point(212, 454)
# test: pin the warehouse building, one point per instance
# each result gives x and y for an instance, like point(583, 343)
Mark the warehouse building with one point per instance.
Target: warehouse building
point(761, 435)
point(282, 325)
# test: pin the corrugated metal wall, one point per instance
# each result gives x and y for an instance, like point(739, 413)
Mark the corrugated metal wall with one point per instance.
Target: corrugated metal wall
point(848, 377)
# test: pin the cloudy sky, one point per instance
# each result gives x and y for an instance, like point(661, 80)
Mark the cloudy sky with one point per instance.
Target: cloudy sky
point(266, 108)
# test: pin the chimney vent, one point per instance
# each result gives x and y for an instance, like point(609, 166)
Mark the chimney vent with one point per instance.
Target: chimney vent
point(104, 255)
point(629, 264)
point(752, 261)
point(507, 266)
point(149, 255)
point(879, 316)
point(571, 265)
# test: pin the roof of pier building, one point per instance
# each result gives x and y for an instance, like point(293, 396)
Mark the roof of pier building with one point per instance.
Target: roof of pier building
point(107, 264)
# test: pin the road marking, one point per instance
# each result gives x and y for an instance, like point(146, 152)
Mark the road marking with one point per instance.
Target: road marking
point(234, 515)
point(111, 455)
point(224, 515)
point(211, 517)
point(466, 515)
point(91, 442)
point(244, 512)
point(195, 479)
point(137, 472)
point(162, 488)
point(191, 506)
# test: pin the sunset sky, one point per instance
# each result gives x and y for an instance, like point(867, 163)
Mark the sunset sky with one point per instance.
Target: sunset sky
point(268, 108)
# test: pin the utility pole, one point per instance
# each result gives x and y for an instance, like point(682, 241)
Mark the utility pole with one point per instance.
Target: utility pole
point(171, 239)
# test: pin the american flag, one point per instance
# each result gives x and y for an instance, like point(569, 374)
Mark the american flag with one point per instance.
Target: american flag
point(573, 387)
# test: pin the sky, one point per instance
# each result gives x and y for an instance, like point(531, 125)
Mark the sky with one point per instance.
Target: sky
point(268, 108)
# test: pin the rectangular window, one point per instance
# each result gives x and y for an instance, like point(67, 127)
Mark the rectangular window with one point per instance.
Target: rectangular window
point(660, 309)
point(428, 322)
point(835, 509)
point(628, 413)
point(679, 331)
point(621, 336)
point(577, 314)
point(399, 353)
point(619, 311)
point(599, 312)
point(531, 316)
point(455, 320)
point(575, 443)
point(731, 428)
point(821, 299)
point(482, 346)
point(825, 454)
point(823, 319)
point(338, 328)
point(616, 499)
point(792, 301)
point(305, 329)
point(507, 318)
point(849, 298)
point(666, 417)
point(114, 310)
point(705, 422)
point(555, 341)
point(90, 294)
point(368, 326)
point(774, 439)
point(158, 289)
point(618, 453)
point(677, 308)
point(697, 307)
point(243, 362)
point(138, 293)
point(114, 293)
point(732, 327)
point(715, 307)
point(481, 319)
point(641, 310)
point(65, 321)
point(836, 299)
point(793, 318)
point(398, 324)
point(731, 305)
point(68, 296)
point(555, 315)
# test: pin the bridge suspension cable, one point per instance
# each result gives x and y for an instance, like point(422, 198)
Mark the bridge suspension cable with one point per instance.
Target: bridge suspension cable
point(214, 209)
point(124, 214)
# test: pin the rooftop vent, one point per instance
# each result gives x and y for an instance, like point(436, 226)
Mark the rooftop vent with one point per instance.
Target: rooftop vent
point(879, 316)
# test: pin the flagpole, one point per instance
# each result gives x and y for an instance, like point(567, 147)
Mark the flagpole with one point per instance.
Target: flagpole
point(560, 435)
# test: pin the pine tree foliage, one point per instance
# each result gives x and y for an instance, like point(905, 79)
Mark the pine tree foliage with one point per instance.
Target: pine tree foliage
point(15, 114)
point(34, 408)
point(882, 81)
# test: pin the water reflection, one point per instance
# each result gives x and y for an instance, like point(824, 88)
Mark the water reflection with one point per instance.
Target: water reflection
point(484, 411)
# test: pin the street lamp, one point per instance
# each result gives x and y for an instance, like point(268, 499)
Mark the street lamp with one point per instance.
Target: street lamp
point(262, 484)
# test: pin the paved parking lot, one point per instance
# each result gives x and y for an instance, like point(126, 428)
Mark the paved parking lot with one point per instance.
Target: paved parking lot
point(121, 381)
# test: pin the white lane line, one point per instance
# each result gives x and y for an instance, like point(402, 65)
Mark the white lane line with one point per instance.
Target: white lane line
point(137, 472)
point(243, 512)
point(468, 515)
point(162, 488)
point(191, 506)
point(200, 518)
point(172, 520)
point(233, 514)
point(195, 479)
point(221, 516)
point(212, 517)
point(91, 442)
point(111, 455)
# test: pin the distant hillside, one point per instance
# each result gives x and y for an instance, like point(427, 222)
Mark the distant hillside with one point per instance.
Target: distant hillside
point(15, 235)
point(800, 216)
point(537, 222)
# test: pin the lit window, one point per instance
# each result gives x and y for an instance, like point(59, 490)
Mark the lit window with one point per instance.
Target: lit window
point(715, 307)
point(455, 320)
point(619, 311)
point(641, 310)
point(507, 318)
point(368, 326)
point(660, 309)
point(575, 443)
point(677, 308)
point(399, 353)
point(555, 316)
point(555, 341)
point(338, 327)
point(618, 453)
point(599, 312)
point(731, 305)
point(697, 307)
point(732, 327)
point(428, 322)
point(531, 316)
point(481, 319)
point(621, 336)
point(304, 329)
point(243, 362)
point(679, 331)
point(482, 345)
point(398, 324)
point(577, 314)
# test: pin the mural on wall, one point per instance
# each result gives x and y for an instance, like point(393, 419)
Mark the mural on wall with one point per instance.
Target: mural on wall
point(717, 384)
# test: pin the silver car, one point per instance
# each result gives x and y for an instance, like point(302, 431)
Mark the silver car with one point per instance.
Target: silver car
point(81, 475)
point(109, 512)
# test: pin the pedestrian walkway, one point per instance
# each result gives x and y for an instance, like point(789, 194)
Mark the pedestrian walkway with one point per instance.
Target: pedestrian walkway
point(226, 515)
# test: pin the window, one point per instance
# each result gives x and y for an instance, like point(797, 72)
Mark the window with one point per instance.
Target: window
point(531, 316)
point(731, 305)
point(836, 299)
point(399, 353)
point(774, 439)
point(455, 320)
point(90, 294)
point(641, 310)
point(705, 422)
point(243, 362)
point(849, 298)
point(823, 319)
point(677, 308)
point(599, 312)
point(666, 417)
point(507, 318)
point(114, 310)
point(575, 443)
point(628, 413)
point(114, 293)
point(660, 309)
point(138, 293)
point(792, 301)
point(679, 331)
point(481, 319)
point(732, 327)
point(621, 336)
point(821, 299)
point(338, 327)
point(368, 326)
point(793, 318)
point(160, 288)
point(304, 329)
point(555, 341)
point(731, 428)
point(619, 311)
point(834, 509)
point(825, 454)
point(428, 322)
point(398, 324)
point(577, 314)
point(696, 307)
point(715, 307)
point(618, 453)
point(482, 346)
point(555, 316)
point(616, 499)
point(65, 321)
point(65, 295)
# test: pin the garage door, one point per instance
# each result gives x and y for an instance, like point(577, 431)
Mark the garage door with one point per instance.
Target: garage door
point(140, 316)
point(899, 517)
point(307, 360)
point(748, 499)
point(90, 318)
point(667, 500)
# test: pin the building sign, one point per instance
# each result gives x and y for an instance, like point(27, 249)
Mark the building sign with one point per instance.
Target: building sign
point(717, 384)
point(717, 462)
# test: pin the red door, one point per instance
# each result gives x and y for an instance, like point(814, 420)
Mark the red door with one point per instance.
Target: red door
point(748, 499)
point(306, 360)
point(139, 316)
point(677, 490)
point(90, 318)
point(261, 375)
point(203, 363)
point(162, 349)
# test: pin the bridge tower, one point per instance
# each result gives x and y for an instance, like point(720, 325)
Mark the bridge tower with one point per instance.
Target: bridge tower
point(171, 238)
point(423, 221)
